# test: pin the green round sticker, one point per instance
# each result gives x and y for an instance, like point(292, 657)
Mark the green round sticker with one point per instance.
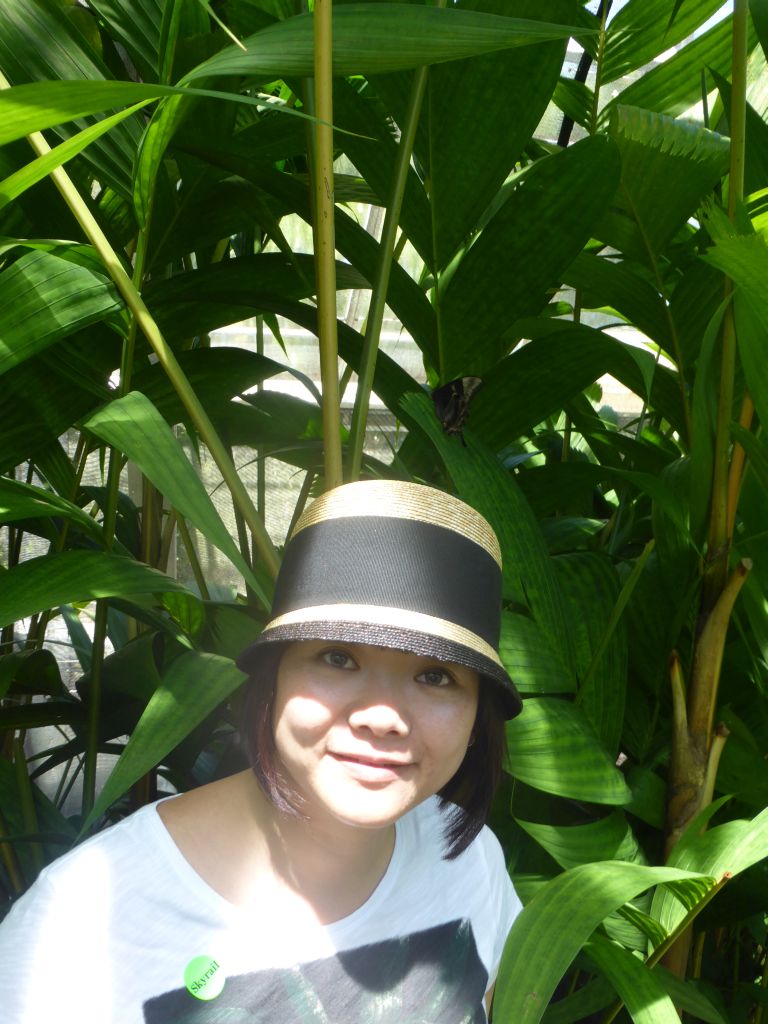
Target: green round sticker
point(204, 978)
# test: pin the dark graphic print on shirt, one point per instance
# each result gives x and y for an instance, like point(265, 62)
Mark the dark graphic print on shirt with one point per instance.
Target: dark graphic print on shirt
point(430, 977)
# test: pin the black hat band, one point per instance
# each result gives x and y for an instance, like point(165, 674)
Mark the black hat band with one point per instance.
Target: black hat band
point(407, 566)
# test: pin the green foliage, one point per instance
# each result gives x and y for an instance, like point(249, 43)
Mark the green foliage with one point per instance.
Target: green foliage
point(188, 155)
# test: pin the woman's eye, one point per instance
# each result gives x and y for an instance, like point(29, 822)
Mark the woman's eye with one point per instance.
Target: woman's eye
point(338, 659)
point(435, 677)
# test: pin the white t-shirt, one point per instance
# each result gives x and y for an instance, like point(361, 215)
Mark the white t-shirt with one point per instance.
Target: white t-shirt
point(122, 930)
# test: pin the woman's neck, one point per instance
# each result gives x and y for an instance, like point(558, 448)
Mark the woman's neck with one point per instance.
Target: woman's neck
point(334, 867)
point(253, 854)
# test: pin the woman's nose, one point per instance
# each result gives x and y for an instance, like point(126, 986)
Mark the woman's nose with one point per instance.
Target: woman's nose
point(379, 716)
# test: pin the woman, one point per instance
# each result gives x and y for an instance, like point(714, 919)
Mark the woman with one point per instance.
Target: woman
point(348, 877)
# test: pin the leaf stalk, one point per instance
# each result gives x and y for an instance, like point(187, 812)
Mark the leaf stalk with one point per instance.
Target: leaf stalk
point(383, 270)
point(325, 247)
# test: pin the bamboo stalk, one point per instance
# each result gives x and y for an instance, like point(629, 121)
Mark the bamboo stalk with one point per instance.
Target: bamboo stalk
point(325, 246)
point(383, 270)
point(161, 348)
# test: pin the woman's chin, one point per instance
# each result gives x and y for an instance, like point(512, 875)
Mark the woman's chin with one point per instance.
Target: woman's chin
point(365, 807)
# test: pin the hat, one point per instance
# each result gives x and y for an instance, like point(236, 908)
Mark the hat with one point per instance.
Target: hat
point(392, 564)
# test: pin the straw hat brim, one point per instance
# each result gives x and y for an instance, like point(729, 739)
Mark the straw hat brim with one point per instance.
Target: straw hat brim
point(382, 634)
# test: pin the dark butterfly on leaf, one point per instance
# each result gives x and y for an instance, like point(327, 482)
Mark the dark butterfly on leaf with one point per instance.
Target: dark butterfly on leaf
point(452, 403)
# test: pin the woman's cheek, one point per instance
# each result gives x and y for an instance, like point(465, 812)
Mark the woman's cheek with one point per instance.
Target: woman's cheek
point(304, 715)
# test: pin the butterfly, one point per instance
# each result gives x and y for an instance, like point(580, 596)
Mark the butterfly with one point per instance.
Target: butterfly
point(452, 403)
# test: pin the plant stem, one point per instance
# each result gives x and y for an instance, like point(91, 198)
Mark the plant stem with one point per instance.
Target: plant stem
point(194, 561)
point(242, 539)
point(301, 501)
point(261, 462)
point(763, 985)
point(62, 783)
point(679, 707)
point(162, 350)
point(602, 14)
point(695, 759)
point(383, 270)
point(325, 246)
point(27, 802)
point(738, 460)
point(698, 955)
point(719, 539)
point(150, 520)
point(37, 638)
point(708, 656)
point(8, 854)
point(94, 709)
point(166, 539)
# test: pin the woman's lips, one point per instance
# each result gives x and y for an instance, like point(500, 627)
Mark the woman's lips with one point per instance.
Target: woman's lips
point(373, 769)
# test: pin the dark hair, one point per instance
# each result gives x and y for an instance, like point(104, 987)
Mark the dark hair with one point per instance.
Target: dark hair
point(469, 792)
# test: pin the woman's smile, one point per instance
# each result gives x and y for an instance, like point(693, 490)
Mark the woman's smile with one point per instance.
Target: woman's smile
point(373, 769)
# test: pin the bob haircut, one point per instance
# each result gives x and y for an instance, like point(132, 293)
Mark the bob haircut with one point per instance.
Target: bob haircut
point(469, 792)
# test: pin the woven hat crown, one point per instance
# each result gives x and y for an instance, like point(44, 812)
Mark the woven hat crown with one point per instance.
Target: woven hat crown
point(393, 564)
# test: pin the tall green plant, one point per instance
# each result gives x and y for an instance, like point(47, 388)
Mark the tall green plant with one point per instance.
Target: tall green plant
point(614, 627)
point(181, 240)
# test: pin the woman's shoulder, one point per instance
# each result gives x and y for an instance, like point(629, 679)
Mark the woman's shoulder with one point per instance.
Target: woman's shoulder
point(81, 882)
point(138, 832)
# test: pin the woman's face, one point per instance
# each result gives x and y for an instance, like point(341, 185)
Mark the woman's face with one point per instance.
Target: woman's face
point(366, 733)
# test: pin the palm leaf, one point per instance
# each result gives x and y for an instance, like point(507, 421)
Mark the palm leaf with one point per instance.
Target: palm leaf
point(44, 298)
point(135, 427)
point(553, 748)
point(642, 29)
point(668, 167)
point(73, 576)
point(553, 927)
point(191, 688)
point(508, 270)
